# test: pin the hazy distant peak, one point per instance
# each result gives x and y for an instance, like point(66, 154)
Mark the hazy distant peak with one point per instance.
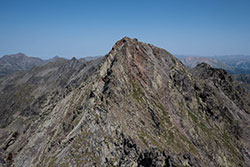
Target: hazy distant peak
point(18, 62)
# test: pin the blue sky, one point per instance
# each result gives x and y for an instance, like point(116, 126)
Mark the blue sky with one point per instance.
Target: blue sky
point(46, 28)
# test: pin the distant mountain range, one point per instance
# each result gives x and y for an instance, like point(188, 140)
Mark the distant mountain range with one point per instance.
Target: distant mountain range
point(194, 61)
point(239, 63)
point(10, 64)
point(234, 64)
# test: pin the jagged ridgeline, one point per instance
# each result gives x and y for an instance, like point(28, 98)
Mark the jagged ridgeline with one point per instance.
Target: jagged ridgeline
point(136, 106)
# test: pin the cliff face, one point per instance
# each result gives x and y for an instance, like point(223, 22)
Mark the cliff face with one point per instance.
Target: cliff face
point(137, 106)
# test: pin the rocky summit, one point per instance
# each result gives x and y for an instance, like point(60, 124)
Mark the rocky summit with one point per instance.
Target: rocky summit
point(136, 106)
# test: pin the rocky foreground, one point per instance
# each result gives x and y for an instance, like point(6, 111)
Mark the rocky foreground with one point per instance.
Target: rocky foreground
point(136, 106)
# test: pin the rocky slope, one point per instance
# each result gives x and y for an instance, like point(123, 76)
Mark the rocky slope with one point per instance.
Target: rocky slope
point(10, 64)
point(244, 80)
point(136, 106)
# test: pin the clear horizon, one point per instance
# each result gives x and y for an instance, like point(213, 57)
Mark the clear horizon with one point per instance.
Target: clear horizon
point(90, 28)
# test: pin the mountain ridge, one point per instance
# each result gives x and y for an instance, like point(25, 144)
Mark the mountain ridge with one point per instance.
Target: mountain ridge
point(136, 106)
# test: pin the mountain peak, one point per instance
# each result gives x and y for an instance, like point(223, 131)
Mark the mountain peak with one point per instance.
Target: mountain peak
point(17, 62)
point(16, 55)
point(20, 54)
point(125, 40)
point(204, 65)
point(133, 49)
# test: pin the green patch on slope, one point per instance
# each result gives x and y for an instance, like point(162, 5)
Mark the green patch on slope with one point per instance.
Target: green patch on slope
point(142, 136)
point(193, 117)
point(136, 92)
point(164, 112)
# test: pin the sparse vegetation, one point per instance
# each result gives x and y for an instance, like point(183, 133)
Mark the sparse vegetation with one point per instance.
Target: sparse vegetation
point(137, 92)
